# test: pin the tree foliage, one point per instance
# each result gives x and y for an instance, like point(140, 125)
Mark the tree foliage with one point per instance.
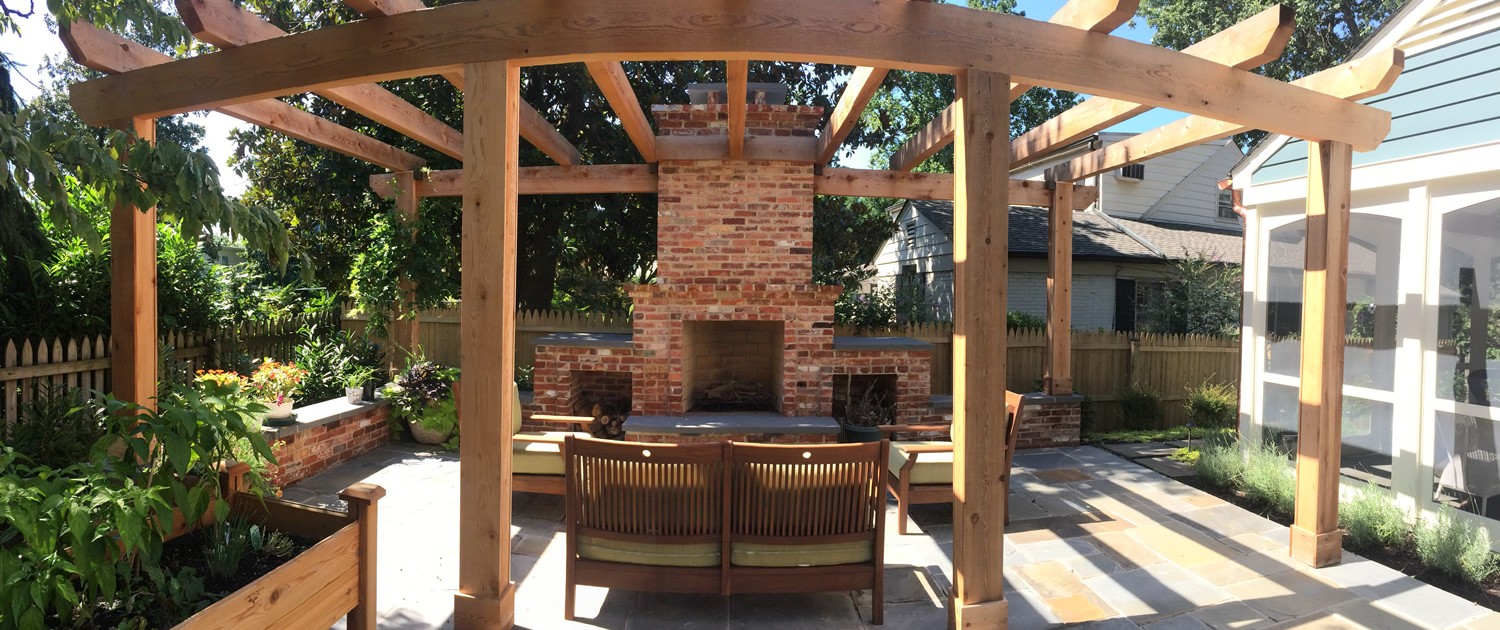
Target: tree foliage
point(1328, 32)
point(1202, 297)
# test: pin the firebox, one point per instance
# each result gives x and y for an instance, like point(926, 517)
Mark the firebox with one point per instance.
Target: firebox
point(733, 365)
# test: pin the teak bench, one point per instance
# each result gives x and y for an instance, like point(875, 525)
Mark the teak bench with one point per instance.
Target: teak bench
point(726, 518)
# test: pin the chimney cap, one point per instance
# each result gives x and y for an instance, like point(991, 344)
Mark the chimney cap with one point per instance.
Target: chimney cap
point(774, 93)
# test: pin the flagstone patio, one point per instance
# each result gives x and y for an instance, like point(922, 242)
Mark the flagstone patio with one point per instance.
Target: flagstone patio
point(1095, 541)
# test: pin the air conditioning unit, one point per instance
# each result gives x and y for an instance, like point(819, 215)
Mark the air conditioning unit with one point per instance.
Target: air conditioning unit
point(1134, 172)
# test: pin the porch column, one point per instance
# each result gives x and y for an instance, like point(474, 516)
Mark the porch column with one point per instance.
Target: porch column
point(132, 308)
point(1059, 377)
point(981, 213)
point(486, 596)
point(404, 327)
point(1315, 535)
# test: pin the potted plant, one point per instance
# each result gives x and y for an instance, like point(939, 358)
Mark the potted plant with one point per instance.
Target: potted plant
point(277, 384)
point(354, 382)
point(421, 397)
point(864, 414)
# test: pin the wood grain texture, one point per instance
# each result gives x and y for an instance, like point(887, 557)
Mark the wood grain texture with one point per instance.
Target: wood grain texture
point(406, 326)
point(856, 32)
point(1321, 394)
point(857, 94)
point(487, 256)
point(364, 506)
point(1246, 45)
point(1367, 76)
point(1058, 378)
point(612, 81)
point(737, 77)
point(221, 23)
point(536, 180)
point(981, 155)
point(132, 307)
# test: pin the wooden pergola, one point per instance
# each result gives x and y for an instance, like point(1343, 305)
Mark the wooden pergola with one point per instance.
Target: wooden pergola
point(482, 47)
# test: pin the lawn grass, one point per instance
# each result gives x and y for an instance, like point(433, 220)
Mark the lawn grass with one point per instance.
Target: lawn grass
point(1153, 435)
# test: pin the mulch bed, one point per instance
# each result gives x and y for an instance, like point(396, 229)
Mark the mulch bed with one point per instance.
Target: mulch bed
point(1402, 558)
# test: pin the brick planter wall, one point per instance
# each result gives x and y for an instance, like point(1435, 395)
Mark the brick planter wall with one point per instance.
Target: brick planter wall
point(1051, 421)
point(327, 434)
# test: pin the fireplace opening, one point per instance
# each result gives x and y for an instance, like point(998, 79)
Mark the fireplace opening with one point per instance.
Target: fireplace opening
point(864, 399)
point(733, 365)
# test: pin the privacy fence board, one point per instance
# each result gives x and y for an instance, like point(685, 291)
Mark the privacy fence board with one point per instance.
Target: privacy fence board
point(30, 366)
point(1103, 361)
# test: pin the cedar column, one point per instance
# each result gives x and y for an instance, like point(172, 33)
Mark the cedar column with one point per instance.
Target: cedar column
point(404, 327)
point(486, 596)
point(1315, 536)
point(132, 308)
point(1059, 376)
point(981, 212)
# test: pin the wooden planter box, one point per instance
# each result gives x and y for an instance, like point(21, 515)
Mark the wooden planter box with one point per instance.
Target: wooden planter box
point(334, 578)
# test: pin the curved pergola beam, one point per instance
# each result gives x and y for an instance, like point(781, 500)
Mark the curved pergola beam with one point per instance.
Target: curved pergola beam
point(906, 35)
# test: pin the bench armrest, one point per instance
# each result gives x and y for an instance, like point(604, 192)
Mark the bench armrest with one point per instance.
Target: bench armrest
point(915, 449)
point(573, 420)
point(908, 428)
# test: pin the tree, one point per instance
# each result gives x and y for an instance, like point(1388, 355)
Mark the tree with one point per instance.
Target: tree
point(1202, 297)
point(1328, 32)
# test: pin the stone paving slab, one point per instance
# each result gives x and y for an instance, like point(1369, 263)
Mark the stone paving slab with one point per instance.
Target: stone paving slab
point(1143, 449)
point(1169, 467)
point(1095, 542)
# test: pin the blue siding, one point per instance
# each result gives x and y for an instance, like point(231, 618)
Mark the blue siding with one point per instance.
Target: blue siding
point(1446, 98)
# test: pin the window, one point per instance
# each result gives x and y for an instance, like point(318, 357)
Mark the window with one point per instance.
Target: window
point(1134, 171)
point(1226, 205)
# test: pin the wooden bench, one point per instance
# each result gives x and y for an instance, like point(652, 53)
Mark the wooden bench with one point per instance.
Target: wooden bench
point(536, 456)
point(726, 518)
point(922, 471)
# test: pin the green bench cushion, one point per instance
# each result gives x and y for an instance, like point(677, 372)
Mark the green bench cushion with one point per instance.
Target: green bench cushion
point(931, 468)
point(818, 555)
point(534, 458)
point(656, 554)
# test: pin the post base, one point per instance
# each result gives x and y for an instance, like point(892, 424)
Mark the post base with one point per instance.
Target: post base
point(993, 615)
point(471, 612)
point(1317, 550)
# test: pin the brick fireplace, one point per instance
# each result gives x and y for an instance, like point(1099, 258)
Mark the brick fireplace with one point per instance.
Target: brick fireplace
point(733, 308)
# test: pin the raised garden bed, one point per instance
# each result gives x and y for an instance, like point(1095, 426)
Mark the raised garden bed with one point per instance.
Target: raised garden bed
point(333, 578)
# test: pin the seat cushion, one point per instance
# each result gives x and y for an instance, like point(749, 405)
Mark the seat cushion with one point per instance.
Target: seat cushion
point(931, 468)
point(818, 555)
point(539, 458)
point(515, 408)
point(656, 554)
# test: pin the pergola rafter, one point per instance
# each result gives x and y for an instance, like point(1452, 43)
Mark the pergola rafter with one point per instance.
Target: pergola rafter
point(104, 51)
point(736, 88)
point(612, 81)
point(1248, 44)
point(1092, 15)
point(483, 49)
point(534, 127)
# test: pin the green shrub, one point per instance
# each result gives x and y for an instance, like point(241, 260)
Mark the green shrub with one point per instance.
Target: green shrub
point(56, 428)
point(1140, 407)
point(1371, 520)
point(330, 360)
point(1268, 478)
point(1211, 404)
point(1221, 463)
point(1018, 320)
point(1456, 547)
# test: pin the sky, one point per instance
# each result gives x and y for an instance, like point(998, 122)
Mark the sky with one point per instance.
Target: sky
point(37, 41)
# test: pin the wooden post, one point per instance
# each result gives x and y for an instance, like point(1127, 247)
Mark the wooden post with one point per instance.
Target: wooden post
point(1315, 536)
point(363, 500)
point(1059, 376)
point(132, 276)
point(404, 327)
point(486, 596)
point(981, 213)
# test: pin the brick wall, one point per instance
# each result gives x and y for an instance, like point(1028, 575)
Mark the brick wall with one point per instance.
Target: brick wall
point(760, 120)
point(913, 371)
point(1056, 422)
point(319, 448)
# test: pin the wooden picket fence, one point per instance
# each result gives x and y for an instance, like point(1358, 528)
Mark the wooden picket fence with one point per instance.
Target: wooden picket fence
point(1103, 362)
point(28, 366)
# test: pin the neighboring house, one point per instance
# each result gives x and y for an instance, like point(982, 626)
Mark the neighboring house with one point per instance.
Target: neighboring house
point(1422, 362)
point(1162, 210)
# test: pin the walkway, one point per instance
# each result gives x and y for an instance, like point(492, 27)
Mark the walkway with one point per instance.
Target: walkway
point(1095, 542)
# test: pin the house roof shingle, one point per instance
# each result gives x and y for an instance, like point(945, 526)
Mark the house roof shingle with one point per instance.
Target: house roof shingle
point(1095, 237)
